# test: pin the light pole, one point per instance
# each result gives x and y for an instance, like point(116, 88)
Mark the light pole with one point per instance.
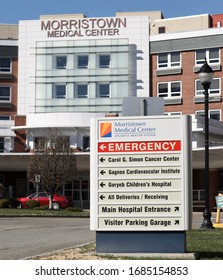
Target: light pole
point(206, 76)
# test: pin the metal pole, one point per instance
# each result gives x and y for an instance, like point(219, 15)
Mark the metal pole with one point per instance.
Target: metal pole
point(207, 224)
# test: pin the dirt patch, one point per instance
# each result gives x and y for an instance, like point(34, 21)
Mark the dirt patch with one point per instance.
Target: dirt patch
point(86, 252)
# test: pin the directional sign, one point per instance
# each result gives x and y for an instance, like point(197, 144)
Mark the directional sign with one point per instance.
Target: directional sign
point(219, 201)
point(141, 173)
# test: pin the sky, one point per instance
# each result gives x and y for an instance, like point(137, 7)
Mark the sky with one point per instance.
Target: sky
point(12, 11)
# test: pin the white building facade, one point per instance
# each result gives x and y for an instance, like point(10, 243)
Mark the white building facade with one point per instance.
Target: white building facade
point(73, 68)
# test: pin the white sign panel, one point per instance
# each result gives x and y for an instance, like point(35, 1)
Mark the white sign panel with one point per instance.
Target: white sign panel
point(141, 174)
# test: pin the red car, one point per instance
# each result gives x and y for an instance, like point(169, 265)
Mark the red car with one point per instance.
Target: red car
point(59, 201)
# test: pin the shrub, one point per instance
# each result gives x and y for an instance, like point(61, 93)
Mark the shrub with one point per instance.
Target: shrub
point(4, 203)
point(74, 209)
point(13, 203)
point(44, 207)
point(32, 204)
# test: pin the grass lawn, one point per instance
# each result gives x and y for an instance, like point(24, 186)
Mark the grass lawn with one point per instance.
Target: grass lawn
point(206, 244)
point(7, 212)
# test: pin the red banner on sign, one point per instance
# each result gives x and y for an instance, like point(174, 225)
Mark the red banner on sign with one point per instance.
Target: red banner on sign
point(138, 146)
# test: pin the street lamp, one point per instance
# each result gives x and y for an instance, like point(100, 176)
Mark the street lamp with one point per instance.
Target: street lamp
point(206, 76)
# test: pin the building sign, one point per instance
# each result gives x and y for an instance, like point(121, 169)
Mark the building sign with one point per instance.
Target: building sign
point(83, 27)
point(140, 174)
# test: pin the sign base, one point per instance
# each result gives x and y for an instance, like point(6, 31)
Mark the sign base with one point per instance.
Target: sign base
point(140, 242)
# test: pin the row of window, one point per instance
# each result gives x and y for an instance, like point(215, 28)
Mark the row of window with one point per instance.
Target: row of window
point(173, 59)
point(81, 90)
point(168, 90)
point(173, 89)
point(212, 114)
point(104, 61)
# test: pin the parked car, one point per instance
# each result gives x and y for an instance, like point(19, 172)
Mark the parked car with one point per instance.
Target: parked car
point(59, 201)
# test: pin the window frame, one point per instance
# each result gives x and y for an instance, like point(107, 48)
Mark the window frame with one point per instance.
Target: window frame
point(2, 144)
point(200, 62)
point(104, 65)
point(5, 69)
point(56, 62)
point(170, 94)
point(202, 112)
point(79, 66)
point(5, 118)
point(99, 90)
point(55, 92)
point(5, 99)
point(200, 92)
point(168, 63)
point(77, 90)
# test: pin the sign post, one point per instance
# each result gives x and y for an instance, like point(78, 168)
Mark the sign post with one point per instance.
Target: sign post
point(141, 183)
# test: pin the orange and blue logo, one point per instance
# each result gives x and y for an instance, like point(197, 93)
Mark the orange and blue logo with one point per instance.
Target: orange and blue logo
point(105, 130)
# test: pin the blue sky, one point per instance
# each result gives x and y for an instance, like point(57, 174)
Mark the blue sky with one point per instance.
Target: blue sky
point(14, 10)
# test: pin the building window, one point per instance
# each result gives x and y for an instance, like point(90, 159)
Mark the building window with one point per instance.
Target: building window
point(161, 29)
point(59, 91)
point(104, 61)
point(212, 56)
point(168, 60)
point(4, 118)
point(82, 61)
point(5, 65)
point(212, 114)
point(173, 113)
point(61, 62)
point(5, 93)
point(104, 90)
point(82, 91)
point(86, 143)
point(169, 89)
point(2, 144)
point(214, 89)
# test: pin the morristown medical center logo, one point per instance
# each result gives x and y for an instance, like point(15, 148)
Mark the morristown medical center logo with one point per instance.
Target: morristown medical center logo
point(106, 130)
point(120, 129)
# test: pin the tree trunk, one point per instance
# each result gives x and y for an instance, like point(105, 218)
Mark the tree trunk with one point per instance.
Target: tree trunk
point(51, 195)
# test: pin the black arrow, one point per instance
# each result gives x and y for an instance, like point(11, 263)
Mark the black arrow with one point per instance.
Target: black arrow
point(176, 208)
point(102, 197)
point(102, 159)
point(102, 184)
point(102, 172)
point(177, 222)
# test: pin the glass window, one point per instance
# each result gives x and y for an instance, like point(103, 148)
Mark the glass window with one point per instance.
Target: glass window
point(2, 144)
point(169, 89)
point(60, 91)
point(213, 90)
point(61, 62)
point(86, 142)
point(4, 118)
point(5, 65)
point(104, 61)
point(212, 114)
point(169, 60)
point(82, 91)
point(104, 90)
point(82, 61)
point(5, 93)
point(212, 56)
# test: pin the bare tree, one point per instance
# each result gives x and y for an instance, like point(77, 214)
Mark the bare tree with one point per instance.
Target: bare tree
point(53, 162)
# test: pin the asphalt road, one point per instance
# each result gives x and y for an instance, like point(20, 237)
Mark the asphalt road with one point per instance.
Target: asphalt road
point(23, 237)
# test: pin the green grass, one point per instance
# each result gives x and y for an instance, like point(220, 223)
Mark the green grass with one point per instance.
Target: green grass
point(42, 212)
point(206, 244)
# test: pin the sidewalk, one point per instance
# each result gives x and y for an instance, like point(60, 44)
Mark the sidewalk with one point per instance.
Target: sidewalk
point(197, 219)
